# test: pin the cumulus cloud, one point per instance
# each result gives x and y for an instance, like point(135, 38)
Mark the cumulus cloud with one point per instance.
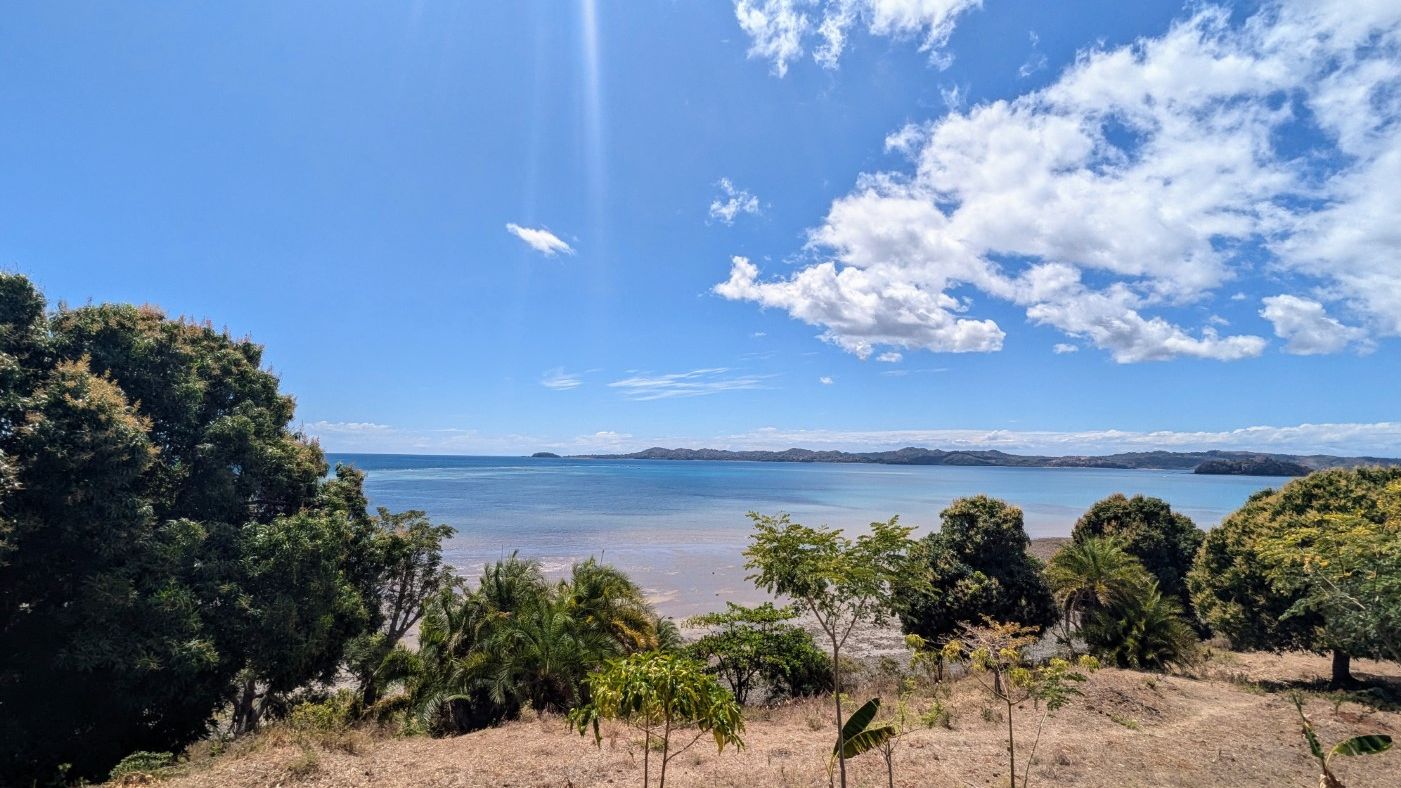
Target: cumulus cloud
point(1114, 202)
point(781, 30)
point(732, 202)
point(695, 383)
point(1306, 328)
point(1065, 347)
point(540, 239)
point(826, 380)
point(890, 357)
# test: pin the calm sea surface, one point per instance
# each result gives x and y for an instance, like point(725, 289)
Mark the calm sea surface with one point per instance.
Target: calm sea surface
point(679, 527)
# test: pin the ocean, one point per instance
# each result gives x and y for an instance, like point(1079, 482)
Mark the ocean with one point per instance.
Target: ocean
point(679, 527)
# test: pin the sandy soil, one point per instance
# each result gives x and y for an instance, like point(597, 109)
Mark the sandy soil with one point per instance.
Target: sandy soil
point(1230, 723)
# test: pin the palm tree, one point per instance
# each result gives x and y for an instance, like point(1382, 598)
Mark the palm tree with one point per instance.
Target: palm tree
point(604, 599)
point(1091, 574)
point(1142, 629)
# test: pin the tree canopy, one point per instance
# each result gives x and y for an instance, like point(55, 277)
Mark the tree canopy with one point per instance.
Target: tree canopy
point(1165, 541)
point(976, 566)
point(1267, 578)
point(168, 543)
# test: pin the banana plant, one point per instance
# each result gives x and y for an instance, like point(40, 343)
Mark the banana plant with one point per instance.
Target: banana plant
point(860, 735)
point(1367, 744)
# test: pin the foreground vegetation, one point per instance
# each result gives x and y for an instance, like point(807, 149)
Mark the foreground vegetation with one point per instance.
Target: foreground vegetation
point(177, 563)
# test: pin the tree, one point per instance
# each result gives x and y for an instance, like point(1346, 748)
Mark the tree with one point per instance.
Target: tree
point(658, 695)
point(1347, 570)
point(147, 477)
point(976, 565)
point(998, 650)
point(405, 569)
point(1244, 587)
point(1090, 576)
point(758, 645)
point(1149, 530)
point(842, 582)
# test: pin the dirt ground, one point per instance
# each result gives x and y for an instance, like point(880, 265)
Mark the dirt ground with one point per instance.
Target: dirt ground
point(1228, 723)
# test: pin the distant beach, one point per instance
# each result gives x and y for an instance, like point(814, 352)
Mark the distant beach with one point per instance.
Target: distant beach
point(680, 528)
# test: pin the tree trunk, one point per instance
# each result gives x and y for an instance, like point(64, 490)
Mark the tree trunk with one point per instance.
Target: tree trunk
point(666, 749)
point(647, 758)
point(1342, 669)
point(1011, 750)
point(837, 694)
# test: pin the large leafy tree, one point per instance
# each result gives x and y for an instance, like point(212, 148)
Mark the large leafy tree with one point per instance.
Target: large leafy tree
point(157, 516)
point(976, 566)
point(751, 646)
point(1263, 577)
point(1166, 542)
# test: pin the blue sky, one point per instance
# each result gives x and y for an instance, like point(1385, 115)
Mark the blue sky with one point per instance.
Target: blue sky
point(579, 226)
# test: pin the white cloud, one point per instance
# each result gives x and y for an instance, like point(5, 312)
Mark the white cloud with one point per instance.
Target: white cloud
point(1306, 328)
point(890, 357)
point(826, 380)
point(696, 383)
point(779, 29)
point(1065, 347)
point(540, 239)
point(344, 427)
point(732, 202)
point(1140, 182)
point(560, 380)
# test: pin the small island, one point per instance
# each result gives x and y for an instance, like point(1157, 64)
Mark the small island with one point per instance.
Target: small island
point(1259, 466)
point(544, 455)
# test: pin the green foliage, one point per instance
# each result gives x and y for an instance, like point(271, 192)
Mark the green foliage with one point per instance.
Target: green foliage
point(162, 532)
point(1090, 575)
point(659, 695)
point(859, 735)
point(1148, 529)
point(403, 568)
point(842, 582)
point(1142, 629)
point(518, 641)
point(332, 715)
point(976, 565)
point(749, 646)
point(1311, 566)
point(1367, 744)
point(142, 765)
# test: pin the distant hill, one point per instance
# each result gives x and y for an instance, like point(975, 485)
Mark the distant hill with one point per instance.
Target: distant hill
point(1207, 462)
point(545, 455)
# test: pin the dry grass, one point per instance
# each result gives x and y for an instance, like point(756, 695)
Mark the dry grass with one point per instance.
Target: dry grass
point(1229, 724)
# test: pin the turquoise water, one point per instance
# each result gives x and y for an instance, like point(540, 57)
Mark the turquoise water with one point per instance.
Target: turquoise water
point(680, 526)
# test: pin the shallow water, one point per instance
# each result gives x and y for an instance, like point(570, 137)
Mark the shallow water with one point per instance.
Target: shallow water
point(679, 527)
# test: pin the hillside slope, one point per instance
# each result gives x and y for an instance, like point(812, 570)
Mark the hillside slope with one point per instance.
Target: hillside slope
point(1220, 728)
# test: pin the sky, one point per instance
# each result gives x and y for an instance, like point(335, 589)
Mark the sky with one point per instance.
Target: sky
point(583, 225)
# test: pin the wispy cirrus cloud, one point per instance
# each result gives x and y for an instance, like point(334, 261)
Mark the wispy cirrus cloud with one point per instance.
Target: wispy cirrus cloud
point(695, 383)
point(540, 239)
point(559, 380)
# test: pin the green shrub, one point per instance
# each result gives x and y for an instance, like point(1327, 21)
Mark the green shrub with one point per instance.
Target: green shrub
point(331, 715)
point(142, 764)
point(749, 646)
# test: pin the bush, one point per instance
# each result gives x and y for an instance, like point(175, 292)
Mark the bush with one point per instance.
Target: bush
point(746, 646)
point(142, 765)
